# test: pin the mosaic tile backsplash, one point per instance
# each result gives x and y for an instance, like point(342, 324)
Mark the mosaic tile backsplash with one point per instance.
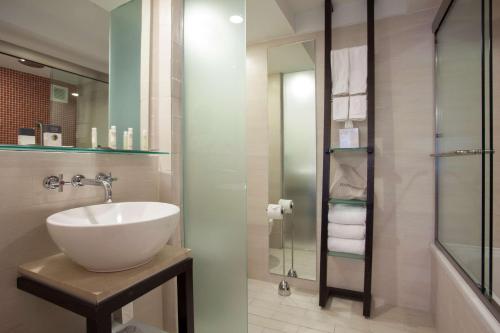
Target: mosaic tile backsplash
point(25, 101)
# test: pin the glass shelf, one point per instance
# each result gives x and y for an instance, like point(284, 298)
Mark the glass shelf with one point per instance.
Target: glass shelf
point(79, 150)
point(346, 255)
point(345, 150)
point(352, 202)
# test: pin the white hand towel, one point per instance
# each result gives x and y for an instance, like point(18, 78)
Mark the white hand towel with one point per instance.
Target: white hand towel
point(354, 246)
point(346, 231)
point(340, 108)
point(357, 108)
point(346, 214)
point(340, 72)
point(357, 70)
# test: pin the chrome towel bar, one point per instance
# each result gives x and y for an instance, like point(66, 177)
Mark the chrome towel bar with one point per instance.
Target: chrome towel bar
point(464, 152)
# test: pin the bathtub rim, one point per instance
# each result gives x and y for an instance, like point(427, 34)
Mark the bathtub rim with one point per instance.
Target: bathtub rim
point(483, 307)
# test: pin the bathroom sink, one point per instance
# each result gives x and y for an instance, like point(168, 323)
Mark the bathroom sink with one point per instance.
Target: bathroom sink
point(115, 236)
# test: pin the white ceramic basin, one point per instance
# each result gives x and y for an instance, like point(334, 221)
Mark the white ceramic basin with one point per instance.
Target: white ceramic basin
point(115, 236)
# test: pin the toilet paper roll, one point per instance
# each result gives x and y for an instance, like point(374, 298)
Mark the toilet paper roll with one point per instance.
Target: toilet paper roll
point(287, 205)
point(274, 212)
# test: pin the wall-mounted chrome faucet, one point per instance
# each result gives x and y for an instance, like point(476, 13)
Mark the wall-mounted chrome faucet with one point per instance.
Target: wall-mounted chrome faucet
point(102, 179)
point(54, 182)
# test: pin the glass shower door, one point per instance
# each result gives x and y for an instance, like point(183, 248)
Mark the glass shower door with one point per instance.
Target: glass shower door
point(462, 132)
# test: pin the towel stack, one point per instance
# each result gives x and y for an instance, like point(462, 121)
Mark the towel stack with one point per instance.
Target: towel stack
point(346, 229)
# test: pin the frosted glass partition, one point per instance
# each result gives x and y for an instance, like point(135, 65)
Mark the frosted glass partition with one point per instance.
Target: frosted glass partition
point(291, 107)
point(214, 162)
point(125, 69)
point(299, 164)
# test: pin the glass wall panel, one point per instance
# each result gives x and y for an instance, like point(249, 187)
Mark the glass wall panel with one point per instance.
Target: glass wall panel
point(460, 128)
point(125, 70)
point(214, 162)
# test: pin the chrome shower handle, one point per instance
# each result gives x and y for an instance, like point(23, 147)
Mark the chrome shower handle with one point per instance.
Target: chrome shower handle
point(464, 152)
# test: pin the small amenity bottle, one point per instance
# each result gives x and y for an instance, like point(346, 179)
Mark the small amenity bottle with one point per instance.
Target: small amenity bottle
point(125, 140)
point(112, 137)
point(145, 140)
point(130, 139)
point(94, 137)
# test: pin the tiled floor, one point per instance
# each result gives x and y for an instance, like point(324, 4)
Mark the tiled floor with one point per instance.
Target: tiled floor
point(299, 313)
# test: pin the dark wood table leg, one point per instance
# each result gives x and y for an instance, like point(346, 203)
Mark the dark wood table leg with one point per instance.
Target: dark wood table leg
point(101, 324)
point(185, 310)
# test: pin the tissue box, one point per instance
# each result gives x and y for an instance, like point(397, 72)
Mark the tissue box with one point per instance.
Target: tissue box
point(349, 137)
point(52, 135)
point(26, 136)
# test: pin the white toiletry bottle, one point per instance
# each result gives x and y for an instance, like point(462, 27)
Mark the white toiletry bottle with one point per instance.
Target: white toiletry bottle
point(112, 137)
point(125, 140)
point(145, 140)
point(94, 137)
point(130, 140)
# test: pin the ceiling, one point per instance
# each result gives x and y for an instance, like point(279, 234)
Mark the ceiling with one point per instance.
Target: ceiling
point(273, 19)
point(291, 58)
point(109, 5)
point(74, 30)
point(305, 5)
point(270, 19)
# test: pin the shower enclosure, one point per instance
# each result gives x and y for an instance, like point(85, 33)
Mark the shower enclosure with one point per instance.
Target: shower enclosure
point(464, 153)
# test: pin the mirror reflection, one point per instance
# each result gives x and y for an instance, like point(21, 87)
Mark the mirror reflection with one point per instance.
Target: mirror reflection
point(35, 97)
point(80, 81)
point(292, 158)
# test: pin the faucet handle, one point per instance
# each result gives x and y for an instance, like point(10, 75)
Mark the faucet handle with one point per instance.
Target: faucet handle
point(76, 181)
point(54, 182)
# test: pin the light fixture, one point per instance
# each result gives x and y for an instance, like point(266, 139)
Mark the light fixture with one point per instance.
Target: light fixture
point(236, 19)
point(75, 94)
point(30, 63)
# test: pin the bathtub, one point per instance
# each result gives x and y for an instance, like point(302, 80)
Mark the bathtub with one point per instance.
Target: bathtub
point(456, 306)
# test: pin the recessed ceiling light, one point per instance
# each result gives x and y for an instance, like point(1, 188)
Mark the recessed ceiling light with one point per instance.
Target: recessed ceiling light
point(236, 19)
point(75, 94)
point(30, 63)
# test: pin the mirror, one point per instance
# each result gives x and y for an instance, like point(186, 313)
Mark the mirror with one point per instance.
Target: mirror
point(75, 74)
point(291, 105)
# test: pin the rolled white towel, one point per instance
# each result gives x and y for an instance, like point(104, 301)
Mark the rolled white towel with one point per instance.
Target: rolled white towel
point(354, 246)
point(346, 214)
point(346, 231)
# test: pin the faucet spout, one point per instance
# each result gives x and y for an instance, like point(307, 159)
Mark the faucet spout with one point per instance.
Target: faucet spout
point(104, 180)
point(108, 191)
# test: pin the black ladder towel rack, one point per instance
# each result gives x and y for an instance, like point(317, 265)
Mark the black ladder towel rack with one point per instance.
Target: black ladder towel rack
point(326, 291)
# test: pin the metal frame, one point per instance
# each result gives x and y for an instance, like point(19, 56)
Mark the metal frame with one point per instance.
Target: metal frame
point(479, 290)
point(52, 62)
point(98, 315)
point(325, 291)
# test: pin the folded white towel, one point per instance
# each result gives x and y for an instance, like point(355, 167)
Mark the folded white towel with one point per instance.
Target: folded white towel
point(354, 246)
point(346, 231)
point(340, 108)
point(357, 108)
point(340, 72)
point(346, 214)
point(358, 69)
